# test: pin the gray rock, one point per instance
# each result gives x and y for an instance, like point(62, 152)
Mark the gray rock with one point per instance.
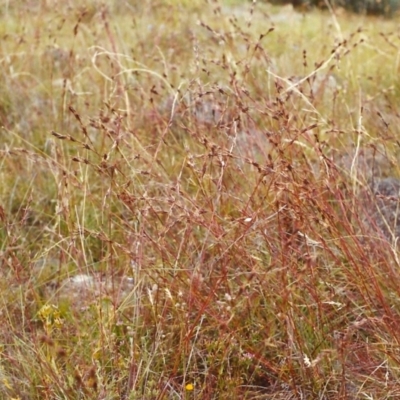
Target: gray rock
point(82, 290)
point(385, 206)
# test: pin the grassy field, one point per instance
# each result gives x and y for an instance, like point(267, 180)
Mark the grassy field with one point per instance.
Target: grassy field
point(185, 209)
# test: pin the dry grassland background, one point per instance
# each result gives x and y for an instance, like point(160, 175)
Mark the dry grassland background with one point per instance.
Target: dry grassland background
point(198, 200)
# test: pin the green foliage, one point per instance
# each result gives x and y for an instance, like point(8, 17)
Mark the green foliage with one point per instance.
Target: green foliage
point(377, 7)
point(385, 7)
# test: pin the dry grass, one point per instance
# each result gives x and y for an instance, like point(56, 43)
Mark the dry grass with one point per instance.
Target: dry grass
point(185, 205)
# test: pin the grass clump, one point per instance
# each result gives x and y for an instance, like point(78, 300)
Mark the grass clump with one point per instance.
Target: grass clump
point(189, 205)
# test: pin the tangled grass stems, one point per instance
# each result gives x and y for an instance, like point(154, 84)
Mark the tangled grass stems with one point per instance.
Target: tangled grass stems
point(192, 207)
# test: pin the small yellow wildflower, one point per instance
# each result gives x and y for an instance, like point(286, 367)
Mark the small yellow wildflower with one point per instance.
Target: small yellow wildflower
point(189, 387)
point(50, 316)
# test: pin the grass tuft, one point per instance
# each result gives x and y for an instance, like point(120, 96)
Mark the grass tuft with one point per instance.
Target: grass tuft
point(198, 200)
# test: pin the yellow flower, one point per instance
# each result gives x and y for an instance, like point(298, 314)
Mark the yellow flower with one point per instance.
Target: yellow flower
point(50, 316)
point(189, 387)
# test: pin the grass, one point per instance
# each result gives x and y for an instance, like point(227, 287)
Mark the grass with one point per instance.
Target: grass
point(184, 202)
